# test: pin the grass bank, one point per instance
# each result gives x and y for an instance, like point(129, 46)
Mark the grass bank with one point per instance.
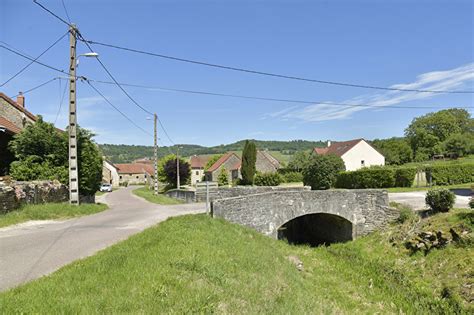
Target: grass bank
point(160, 199)
point(196, 264)
point(49, 211)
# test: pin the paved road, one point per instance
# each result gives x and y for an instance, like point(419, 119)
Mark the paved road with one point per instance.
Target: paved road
point(31, 250)
point(416, 199)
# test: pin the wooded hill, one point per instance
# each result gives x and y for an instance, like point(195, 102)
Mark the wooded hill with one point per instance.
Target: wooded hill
point(122, 153)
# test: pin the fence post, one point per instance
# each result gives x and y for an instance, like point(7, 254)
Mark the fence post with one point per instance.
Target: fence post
point(207, 197)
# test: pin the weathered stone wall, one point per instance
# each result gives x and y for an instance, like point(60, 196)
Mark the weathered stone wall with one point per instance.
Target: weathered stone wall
point(13, 114)
point(229, 192)
point(365, 209)
point(185, 195)
point(13, 195)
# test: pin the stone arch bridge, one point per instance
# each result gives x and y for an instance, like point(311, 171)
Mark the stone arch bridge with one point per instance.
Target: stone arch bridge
point(313, 217)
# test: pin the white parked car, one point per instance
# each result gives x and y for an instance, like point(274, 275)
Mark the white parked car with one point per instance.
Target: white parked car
point(106, 188)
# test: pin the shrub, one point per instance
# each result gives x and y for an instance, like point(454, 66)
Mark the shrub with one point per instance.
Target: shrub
point(448, 174)
point(440, 200)
point(471, 203)
point(268, 179)
point(321, 171)
point(375, 177)
point(223, 178)
point(405, 176)
point(292, 177)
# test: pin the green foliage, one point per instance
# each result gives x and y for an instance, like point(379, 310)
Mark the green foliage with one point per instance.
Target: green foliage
point(459, 145)
point(212, 160)
point(471, 203)
point(440, 200)
point(406, 212)
point(374, 177)
point(268, 179)
point(167, 171)
point(321, 171)
point(223, 177)
point(42, 153)
point(427, 133)
point(299, 160)
point(397, 151)
point(249, 158)
point(448, 174)
point(405, 176)
point(292, 177)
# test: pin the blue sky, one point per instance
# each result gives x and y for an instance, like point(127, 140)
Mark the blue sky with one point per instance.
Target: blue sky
point(410, 44)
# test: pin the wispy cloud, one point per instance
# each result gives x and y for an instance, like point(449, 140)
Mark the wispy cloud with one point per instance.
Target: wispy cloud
point(436, 80)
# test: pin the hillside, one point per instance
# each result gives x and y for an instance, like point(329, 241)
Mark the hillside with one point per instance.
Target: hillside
point(122, 153)
point(196, 264)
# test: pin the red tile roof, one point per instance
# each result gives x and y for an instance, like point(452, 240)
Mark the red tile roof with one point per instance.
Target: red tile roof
point(338, 148)
point(11, 127)
point(135, 168)
point(199, 161)
point(222, 160)
point(17, 106)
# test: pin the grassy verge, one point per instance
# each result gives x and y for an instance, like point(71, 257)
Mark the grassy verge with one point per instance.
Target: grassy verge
point(149, 195)
point(196, 264)
point(408, 189)
point(49, 211)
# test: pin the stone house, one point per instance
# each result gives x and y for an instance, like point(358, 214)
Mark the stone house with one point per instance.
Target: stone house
point(135, 173)
point(356, 154)
point(13, 118)
point(265, 163)
point(197, 163)
point(110, 173)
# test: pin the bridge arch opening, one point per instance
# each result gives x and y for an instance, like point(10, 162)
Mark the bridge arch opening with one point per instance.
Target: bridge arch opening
point(316, 229)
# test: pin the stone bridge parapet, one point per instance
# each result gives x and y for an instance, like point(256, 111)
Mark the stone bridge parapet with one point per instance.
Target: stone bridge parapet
point(365, 209)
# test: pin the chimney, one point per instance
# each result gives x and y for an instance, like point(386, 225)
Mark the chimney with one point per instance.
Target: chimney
point(20, 99)
point(329, 143)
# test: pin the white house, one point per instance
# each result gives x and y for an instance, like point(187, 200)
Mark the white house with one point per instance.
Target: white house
point(198, 162)
point(356, 153)
point(110, 173)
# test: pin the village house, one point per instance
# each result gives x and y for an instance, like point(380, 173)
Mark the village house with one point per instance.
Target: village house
point(135, 173)
point(197, 163)
point(110, 173)
point(356, 154)
point(13, 118)
point(231, 162)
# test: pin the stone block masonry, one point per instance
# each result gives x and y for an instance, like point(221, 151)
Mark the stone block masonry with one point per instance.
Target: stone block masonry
point(365, 209)
point(15, 194)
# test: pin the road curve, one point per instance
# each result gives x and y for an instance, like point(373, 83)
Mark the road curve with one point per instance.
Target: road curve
point(29, 251)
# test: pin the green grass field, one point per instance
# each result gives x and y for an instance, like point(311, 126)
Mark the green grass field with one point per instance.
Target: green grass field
point(196, 264)
point(49, 211)
point(149, 195)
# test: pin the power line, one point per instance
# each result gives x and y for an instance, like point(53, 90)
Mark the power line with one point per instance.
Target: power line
point(264, 98)
point(34, 60)
point(36, 87)
point(61, 101)
point(118, 110)
point(65, 10)
point(52, 13)
point(283, 76)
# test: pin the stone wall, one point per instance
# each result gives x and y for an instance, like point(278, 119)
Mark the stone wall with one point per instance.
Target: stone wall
point(365, 209)
point(229, 192)
point(186, 195)
point(13, 195)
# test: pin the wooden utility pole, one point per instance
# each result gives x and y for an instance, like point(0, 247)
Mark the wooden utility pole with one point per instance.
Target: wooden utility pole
point(73, 164)
point(156, 154)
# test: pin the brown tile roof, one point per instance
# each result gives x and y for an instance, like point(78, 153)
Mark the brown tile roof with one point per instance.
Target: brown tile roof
point(199, 161)
point(134, 168)
point(338, 148)
point(17, 106)
point(222, 160)
point(11, 127)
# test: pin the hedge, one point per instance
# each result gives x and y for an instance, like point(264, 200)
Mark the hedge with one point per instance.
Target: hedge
point(379, 177)
point(292, 177)
point(267, 179)
point(446, 174)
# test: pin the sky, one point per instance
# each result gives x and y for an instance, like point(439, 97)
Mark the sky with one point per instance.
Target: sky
point(404, 44)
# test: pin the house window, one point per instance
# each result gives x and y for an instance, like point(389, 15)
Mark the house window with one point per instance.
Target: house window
point(197, 172)
point(362, 163)
point(120, 176)
point(137, 177)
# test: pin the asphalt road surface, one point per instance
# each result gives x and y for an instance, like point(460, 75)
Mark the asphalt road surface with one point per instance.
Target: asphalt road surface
point(416, 199)
point(31, 250)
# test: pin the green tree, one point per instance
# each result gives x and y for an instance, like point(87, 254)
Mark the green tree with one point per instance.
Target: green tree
point(212, 160)
point(397, 151)
point(167, 171)
point(249, 159)
point(42, 153)
point(321, 172)
point(459, 144)
point(427, 133)
point(223, 177)
point(299, 160)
